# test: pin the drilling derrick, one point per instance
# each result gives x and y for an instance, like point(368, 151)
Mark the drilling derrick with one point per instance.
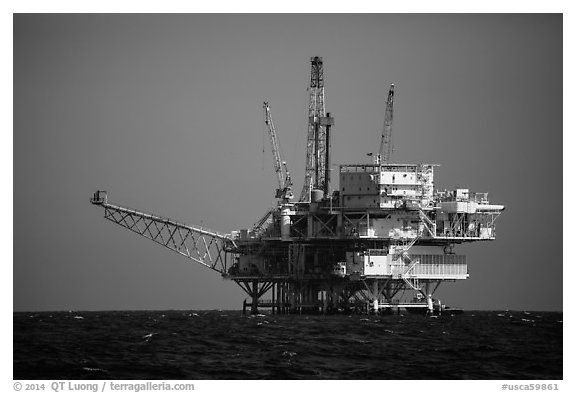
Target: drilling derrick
point(317, 144)
point(384, 234)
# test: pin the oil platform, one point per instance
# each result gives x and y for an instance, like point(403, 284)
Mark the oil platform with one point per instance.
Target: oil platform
point(383, 232)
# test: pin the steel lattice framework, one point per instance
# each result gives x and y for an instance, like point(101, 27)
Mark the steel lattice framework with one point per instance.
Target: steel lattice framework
point(316, 142)
point(208, 248)
point(386, 142)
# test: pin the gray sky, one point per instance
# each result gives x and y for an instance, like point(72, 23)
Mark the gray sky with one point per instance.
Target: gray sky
point(164, 112)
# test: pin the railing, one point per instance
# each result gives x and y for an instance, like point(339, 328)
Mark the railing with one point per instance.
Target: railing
point(99, 198)
point(440, 265)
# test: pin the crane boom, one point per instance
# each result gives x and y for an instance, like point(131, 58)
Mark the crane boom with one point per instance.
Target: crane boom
point(274, 143)
point(284, 180)
point(206, 247)
point(386, 142)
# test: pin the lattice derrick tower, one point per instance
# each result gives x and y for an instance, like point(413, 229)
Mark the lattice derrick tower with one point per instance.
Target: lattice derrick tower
point(315, 174)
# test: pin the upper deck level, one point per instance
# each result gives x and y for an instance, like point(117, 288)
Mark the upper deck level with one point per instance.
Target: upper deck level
point(386, 186)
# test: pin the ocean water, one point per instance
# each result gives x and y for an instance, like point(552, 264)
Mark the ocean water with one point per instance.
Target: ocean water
point(228, 345)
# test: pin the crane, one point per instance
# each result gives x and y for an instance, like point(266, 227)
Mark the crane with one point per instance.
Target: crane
point(386, 141)
point(284, 190)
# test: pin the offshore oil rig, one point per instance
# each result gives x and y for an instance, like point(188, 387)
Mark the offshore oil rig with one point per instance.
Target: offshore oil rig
point(383, 232)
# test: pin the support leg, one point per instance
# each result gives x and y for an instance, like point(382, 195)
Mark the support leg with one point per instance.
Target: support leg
point(430, 304)
point(273, 299)
point(375, 294)
point(254, 310)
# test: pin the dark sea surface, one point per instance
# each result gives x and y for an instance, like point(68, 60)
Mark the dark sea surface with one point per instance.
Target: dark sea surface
point(227, 345)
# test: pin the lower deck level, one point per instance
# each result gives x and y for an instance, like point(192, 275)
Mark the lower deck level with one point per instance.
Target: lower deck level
point(331, 295)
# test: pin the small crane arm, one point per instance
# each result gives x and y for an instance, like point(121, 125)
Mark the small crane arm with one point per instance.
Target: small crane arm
point(274, 143)
point(206, 247)
point(284, 179)
point(262, 223)
point(386, 142)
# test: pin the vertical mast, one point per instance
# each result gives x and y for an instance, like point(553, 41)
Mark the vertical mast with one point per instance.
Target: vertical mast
point(316, 142)
point(329, 121)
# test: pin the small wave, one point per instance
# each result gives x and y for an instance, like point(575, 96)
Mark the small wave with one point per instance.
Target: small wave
point(149, 336)
point(98, 370)
point(527, 320)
